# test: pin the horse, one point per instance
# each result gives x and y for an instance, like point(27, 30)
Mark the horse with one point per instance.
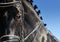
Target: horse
point(19, 22)
point(14, 25)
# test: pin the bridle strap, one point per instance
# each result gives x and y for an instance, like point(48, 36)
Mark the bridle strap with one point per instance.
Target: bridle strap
point(10, 37)
point(9, 4)
point(37, 27)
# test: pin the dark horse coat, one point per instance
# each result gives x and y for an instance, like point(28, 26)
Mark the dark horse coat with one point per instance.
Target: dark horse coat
point(20, 20)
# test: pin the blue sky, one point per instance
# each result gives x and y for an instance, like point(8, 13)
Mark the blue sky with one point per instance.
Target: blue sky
point(50, 11)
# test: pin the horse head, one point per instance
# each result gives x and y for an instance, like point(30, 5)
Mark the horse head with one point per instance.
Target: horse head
point(11, 21)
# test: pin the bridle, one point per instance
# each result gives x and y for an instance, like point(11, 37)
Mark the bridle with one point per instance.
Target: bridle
point(17, 37)
point(9, 4)
point(14, 36)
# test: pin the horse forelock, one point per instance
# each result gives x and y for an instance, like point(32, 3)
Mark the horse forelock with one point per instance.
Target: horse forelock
point(7, 15)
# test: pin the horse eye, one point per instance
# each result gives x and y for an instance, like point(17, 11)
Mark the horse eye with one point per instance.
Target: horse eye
point(18, 17)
